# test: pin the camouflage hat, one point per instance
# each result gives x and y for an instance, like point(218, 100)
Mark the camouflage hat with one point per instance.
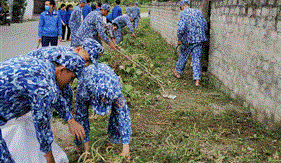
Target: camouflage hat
point(93, 47)
point(70, 60)
point(105, 7)
point(184, 2)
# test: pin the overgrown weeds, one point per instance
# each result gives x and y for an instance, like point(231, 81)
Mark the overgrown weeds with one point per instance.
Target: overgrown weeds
point(200, 125)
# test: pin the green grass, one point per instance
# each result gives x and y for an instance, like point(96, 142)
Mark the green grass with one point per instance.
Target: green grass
point(200, 125)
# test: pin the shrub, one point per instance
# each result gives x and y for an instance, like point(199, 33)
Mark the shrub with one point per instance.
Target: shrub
point(19, 7)
point(4, 5)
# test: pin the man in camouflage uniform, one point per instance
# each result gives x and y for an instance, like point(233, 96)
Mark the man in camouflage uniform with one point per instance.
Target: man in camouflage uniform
point(32, 84)
point(92, 26)
point(135, 15)
point(122, 21)
point(75, 21)
point(99, 88)
point(191, 34)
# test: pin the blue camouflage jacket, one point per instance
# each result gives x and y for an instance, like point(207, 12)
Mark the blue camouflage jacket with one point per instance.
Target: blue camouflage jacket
point(119, 127)
point(135, 12)
point(92, 26)
point(75, 19)
point(122, 21)
point(191, 26)
point(28, 84)
point(50, 24)
point(128, 11)
point(66, 93)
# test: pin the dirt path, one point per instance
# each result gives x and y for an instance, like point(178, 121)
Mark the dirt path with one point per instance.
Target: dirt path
point(63, 137)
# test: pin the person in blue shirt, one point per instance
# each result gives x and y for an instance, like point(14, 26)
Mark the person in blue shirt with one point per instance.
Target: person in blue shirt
point(121, 22)
point(92, 27)
point(135, 15)
point(98, 6)
point(49, 28)
point(75, 21)
point(32, 84)
point(191, 34)
point(99, 88)
point(86, 10)
point(69, 9)
point(109, 18)
point(116, 11)
point(128, 10)
point(62, 13)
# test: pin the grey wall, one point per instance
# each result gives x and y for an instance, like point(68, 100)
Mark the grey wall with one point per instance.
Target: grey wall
point(245, 49)
point(164, 18)
point(245, 53)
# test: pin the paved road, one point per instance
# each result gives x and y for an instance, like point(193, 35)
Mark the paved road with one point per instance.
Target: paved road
point(21, 38)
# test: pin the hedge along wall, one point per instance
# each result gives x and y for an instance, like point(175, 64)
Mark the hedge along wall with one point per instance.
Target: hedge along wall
point(245, 49)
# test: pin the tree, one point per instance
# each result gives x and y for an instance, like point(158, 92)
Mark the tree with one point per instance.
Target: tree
point(19, 7)
point(4, 5)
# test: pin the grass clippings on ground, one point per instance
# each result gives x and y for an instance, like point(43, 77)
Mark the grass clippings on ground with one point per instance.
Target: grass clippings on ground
point(200, 125)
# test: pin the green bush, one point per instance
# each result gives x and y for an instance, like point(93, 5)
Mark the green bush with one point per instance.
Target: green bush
point(19, 7)
point(4, 5)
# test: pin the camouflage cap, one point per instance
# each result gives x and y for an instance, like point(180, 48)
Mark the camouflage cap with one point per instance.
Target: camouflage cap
point(184, 2)
point(93, 47)
point(105, 7)
point(70, 60)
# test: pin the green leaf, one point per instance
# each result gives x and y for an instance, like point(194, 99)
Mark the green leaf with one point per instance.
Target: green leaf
point(128, 87)
point(128, 69)
point(138, 72)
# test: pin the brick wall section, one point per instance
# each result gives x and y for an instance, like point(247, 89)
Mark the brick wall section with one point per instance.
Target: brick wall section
point(245, 49)
point(245, 53)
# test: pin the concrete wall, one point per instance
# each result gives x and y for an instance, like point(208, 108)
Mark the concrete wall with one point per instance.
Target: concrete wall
point(245, 53)
point(245, 49)
point(164, 18)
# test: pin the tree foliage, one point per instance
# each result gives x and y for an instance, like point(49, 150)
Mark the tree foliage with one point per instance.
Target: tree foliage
point(4, 5)
point(19, 7)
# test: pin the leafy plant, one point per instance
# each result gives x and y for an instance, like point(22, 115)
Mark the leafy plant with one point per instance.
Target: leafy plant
point(19, 7)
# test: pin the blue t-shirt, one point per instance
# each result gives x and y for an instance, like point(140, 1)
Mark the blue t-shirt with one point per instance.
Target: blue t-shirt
point(62, 14)
point(116, 11)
